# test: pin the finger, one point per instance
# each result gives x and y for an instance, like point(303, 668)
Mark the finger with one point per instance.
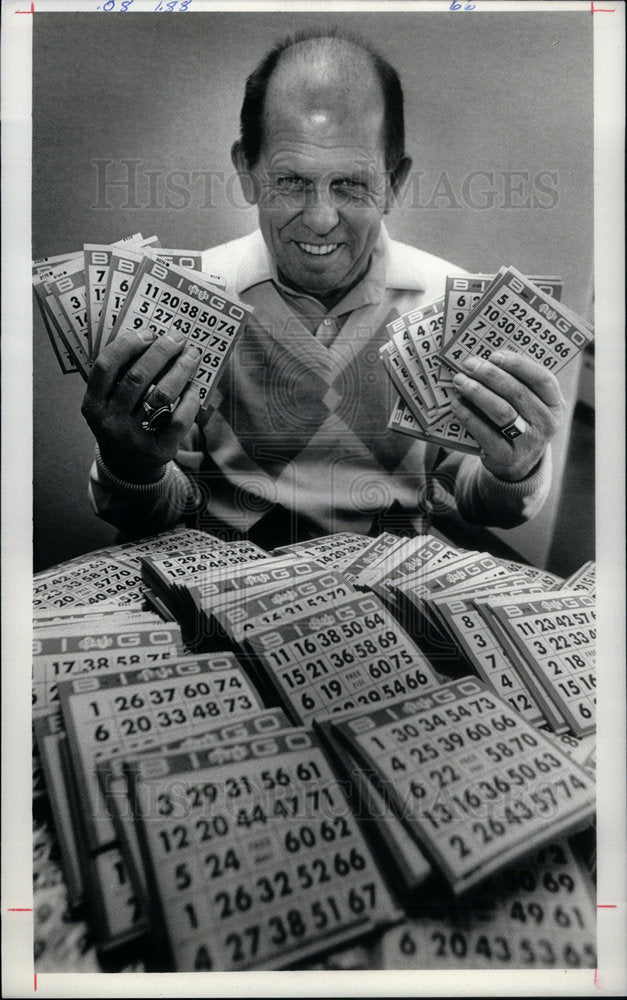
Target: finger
point(170, 387)
point(508, 387)
point(538, 379)
point(494, 407)
point(185, 413)
point(135, 383)
point(488, 438)
point(109, 365)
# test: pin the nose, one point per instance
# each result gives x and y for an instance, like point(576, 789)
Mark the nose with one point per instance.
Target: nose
point(320, 214)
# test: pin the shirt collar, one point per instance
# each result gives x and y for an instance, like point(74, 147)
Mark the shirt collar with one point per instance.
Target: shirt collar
point(391, 266)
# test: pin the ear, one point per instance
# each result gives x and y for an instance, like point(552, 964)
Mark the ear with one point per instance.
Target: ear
point(398, 180)
point(245, 174)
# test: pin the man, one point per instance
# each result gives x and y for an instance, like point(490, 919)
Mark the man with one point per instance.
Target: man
point(295, 443)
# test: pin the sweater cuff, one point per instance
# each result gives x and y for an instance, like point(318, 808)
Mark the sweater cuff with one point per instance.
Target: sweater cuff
point(528, 487)
point(148, 491)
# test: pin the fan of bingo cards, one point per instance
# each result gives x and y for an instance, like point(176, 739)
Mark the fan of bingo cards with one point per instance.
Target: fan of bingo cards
point(90, 297)
point(477, 314)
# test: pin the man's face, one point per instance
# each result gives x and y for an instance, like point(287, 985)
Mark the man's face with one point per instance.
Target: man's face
point(321, 190)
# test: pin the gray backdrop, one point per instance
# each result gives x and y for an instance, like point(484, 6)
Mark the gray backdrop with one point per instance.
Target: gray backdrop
point(493, 93)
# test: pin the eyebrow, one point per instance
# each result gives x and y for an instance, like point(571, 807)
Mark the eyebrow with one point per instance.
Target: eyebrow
point(290, 173)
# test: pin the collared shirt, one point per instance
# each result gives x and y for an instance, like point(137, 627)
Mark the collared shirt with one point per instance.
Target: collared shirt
point(295, 442)
point(324, 323)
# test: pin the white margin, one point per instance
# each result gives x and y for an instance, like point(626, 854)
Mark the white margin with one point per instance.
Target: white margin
point(17, 929)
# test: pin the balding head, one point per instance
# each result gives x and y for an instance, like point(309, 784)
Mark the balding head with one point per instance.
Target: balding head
point(329, 76)
point(324, 84)
point(330, 70)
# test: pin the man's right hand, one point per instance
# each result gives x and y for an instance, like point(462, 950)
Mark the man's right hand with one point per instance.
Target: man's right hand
point(119, 380)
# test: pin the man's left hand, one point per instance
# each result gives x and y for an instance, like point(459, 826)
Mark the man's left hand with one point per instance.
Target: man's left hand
point(493, 393)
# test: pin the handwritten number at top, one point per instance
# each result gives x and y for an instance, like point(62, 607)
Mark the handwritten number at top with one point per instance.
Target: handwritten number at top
point(121, 6)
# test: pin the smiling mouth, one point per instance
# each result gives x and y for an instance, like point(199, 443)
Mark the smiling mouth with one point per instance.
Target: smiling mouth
point(318, 249)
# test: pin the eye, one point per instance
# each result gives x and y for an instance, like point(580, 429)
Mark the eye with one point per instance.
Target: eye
point(351, 187)
point(290, 183)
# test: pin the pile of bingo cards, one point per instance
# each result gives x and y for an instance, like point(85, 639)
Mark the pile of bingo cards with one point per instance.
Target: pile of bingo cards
point(92, 296)
point(252, 759)
point(478, 314)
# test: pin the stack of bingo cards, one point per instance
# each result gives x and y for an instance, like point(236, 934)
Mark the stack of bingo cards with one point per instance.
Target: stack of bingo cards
point(478, 314)
point(252, 854)
point(583, 579)
point(232, 603)
point(127, 710)
point(252, 758)
point(538, 915)
point(110, 577)
point(90, 297)
point(552, 639)
point(476, 784)
point(411, 360)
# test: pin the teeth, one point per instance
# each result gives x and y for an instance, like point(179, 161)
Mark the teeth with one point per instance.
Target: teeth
point(319, 249)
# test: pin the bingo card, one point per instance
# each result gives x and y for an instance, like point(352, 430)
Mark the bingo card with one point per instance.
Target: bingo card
point(356, 563)
point(301, 596)
point(395, 847)
point(447, 431)
point(425, 332)
point(482, 649)
point(413, 593)
point(354, 653)
point(329, 550)
point(259, 862)
point(412, 556)
point(228, 583)
point(190, 260)
point(94, 581)
point(68, 288)
point(166, 298)
point(474, 781)
point(42, 264)
point(463, 294)
point(124, 264)
point(56, 323)
point(538, 578)
point(138, 709)
point(402, 363)
point(98, 881)
point(552, 715)
point(187, 565)
point(113, 778)
point(556, 635)
point(49, 734)
point(407, 376)
point(515, 315)
point(583, 579)
point(108, 646)
point(96, 263)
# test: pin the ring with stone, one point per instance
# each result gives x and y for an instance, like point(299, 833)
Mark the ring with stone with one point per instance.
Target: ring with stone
point(158, 411)
point(514, 429)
